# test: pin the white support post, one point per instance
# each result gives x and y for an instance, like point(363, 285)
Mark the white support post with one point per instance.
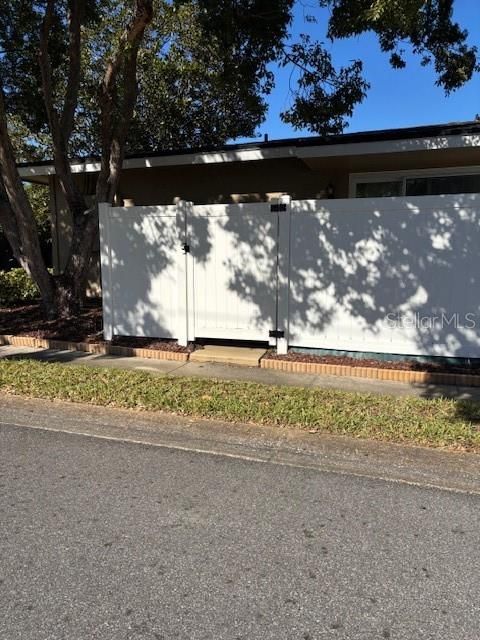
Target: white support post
point(190, 262)
point(106, 270)
point(283, 274)
point(183, 208)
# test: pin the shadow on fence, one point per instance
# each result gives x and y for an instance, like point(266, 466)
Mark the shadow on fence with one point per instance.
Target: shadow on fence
point(356, 266)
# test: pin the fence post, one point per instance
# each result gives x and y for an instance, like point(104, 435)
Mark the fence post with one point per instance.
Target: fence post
point(106, 270)
point(183, 207)
point(283, 274)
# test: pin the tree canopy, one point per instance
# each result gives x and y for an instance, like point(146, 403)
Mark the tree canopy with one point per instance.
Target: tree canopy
point(206, 67)
point(426, 25)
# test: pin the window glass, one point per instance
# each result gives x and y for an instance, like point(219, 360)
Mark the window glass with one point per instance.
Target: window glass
point(436, 185)
point(379, 189)
point(417, 187)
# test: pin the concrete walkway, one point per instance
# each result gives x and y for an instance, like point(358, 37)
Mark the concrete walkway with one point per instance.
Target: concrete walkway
point(246, 374)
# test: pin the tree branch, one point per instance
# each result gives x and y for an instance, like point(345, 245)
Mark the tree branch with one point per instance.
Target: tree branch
point(46, 68)
point(294, 60)
point(115, 121)
point(76, 13)
point(61, 136)
point(117, 147)
point(114, 129)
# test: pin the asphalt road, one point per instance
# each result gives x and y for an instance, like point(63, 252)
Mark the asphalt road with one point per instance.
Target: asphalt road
point(110, 540)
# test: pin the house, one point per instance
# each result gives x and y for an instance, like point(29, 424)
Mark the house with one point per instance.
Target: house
point(358, 242)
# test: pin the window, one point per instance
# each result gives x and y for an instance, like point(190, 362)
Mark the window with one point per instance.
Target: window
point(421, 183)
point(379, 189)
point(434, 186)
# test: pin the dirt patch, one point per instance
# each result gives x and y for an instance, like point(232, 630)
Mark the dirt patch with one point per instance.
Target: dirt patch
point(400, 365)
point(87, 326)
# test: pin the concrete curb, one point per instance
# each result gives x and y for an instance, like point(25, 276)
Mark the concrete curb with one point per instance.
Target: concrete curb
point(99, 349)
point(395, 375)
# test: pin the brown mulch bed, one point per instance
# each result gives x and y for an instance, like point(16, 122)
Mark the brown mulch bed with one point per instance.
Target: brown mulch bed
point(402, 365)
point(151, 343)
point(85, 327)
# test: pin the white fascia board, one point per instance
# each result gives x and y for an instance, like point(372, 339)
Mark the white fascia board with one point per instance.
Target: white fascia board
point(389, 146)
point(219, 157)
point(36, 170)
point(291, 151)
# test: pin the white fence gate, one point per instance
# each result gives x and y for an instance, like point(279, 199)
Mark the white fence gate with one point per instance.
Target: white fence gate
point(229, 272)
point(191, 272)
point(392, 275)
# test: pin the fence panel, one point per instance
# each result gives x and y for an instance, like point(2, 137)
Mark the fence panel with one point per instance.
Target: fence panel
point(388, 275)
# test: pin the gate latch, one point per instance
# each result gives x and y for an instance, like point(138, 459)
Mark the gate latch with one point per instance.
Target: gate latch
point(277, 207)
point(274, 333)
point(186, 248)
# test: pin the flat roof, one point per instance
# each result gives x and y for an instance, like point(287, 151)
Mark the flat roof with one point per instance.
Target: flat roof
point(427, 137)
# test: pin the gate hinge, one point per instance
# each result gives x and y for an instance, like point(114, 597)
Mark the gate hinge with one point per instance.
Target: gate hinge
point(274, 333)
point(279, 206)
point(186, 248)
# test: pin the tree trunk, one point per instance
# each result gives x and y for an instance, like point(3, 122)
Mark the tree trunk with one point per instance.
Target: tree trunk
point(63, 295)
point(67, 303)
point(122, 66)
point(18, 221)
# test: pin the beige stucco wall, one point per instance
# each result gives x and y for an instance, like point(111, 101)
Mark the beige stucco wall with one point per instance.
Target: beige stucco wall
point(266, 179)
point(228, 182)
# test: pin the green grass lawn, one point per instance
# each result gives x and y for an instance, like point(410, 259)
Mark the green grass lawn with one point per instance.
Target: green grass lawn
point(437, 423)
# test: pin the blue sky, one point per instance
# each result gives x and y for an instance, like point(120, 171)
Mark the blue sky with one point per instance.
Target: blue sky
point(397, 98)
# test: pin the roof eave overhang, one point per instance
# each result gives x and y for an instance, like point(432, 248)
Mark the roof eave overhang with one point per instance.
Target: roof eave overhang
point(406, 145)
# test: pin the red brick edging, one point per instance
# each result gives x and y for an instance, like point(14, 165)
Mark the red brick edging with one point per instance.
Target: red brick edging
point(101, 349)
point(396, 375)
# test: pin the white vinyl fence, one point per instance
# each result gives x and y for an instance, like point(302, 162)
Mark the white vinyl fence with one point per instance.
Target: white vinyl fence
point(387, 275)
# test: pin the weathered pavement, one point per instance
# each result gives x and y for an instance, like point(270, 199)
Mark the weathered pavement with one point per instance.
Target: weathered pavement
point(108, 539)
